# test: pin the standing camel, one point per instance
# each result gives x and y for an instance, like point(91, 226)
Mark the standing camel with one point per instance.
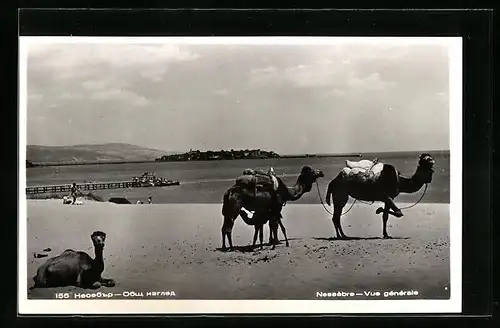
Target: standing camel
point(377, 182)
point(265, 195)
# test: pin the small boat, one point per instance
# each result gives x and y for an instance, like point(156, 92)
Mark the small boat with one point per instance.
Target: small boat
point(148, 179)
point(166, 182)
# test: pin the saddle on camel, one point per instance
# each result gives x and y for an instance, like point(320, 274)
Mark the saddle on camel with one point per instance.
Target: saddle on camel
point(261, 181)
point(365, 170)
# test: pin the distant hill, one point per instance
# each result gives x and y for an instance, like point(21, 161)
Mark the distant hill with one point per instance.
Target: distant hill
point(100, 153)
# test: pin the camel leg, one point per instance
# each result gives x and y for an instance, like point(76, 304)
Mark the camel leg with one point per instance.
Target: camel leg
point(338, 205)
point(274, 221)
point(79, 282)
point(391, 205)
point(95, 285)
point(275, 215)
point(107, 282)
point(230, 240)
point(335, 225)
point(223, 239)
point(337, 212)
point(227, 229)
point(86, 280)
point(255, 233)
point(381, 209)
point(283, 230)
point(231, 207)
point(336, 218)
point(385, 217)
point(273, 227)
point(274, 232)
point(271, 232)
point(261, 235)
point(339, 224)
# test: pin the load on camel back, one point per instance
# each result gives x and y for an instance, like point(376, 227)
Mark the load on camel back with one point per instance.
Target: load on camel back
point(363, 170)
point(263, 182)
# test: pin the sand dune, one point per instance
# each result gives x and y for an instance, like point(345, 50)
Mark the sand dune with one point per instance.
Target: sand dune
point(174, 247)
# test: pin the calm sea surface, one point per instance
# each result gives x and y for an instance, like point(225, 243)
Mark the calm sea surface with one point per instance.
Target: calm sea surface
point(206, 182)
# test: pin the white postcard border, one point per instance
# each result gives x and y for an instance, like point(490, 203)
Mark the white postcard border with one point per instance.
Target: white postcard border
point(453, 305)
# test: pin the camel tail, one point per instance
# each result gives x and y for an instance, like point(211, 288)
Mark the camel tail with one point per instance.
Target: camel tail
point(329, 191)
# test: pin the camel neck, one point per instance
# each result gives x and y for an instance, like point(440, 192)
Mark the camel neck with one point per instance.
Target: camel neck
point(295, 192)
point(410, 185)
point(98, 256)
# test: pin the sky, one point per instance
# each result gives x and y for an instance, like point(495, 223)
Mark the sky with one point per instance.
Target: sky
point(289, 98)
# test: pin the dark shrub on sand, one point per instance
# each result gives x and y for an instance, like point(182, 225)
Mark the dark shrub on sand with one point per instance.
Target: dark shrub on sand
point(91, 196)
point(119, 200)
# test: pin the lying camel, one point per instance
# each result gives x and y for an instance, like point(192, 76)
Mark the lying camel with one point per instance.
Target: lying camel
point(75, 268)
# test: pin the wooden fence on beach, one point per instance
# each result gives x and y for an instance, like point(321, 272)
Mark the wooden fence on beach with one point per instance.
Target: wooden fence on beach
point(85, 186)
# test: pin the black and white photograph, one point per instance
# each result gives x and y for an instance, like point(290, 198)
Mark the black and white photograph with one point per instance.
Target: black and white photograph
point(240, 175)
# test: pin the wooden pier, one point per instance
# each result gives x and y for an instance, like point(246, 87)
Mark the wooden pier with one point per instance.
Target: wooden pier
point(87, 187)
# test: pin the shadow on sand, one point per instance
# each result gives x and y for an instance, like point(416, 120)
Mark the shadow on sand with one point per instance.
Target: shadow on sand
point(358, 238)
point(251, 248)
point(242, 249)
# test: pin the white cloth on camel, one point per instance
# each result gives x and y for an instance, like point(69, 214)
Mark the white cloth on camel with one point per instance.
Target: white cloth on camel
point(270, 172)
point(365, 167)
point(362, 164)
point(249, 213)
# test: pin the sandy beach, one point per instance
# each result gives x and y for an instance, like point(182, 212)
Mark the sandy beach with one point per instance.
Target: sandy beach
point(175, 247)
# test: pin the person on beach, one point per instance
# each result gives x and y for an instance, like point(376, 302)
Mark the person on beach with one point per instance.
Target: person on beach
point(74, 190)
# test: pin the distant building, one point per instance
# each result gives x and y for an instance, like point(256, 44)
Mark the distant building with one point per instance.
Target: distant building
point(197, 155)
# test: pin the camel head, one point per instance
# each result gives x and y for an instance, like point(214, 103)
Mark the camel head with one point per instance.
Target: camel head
point(308, 176)
point(426, 167)
point(98, 239)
